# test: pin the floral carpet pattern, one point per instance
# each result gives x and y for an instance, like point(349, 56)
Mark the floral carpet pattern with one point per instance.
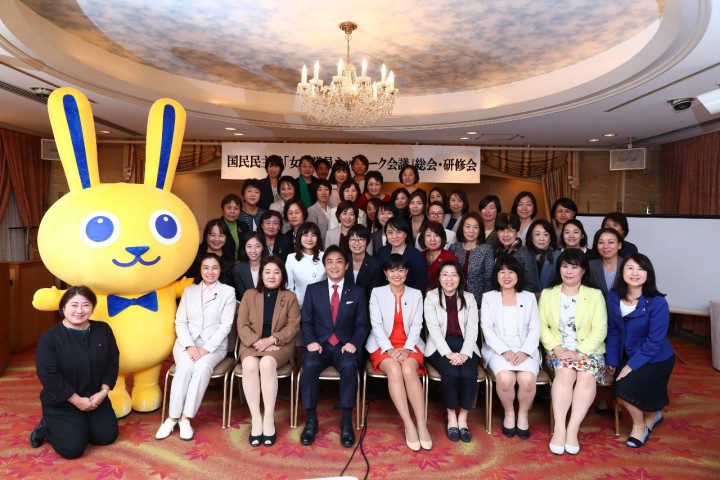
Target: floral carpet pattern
point(686, 445)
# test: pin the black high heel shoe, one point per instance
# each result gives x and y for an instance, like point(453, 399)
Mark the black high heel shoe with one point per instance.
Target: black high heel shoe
point(509, 432)
point(256, 440)
point(269, 440)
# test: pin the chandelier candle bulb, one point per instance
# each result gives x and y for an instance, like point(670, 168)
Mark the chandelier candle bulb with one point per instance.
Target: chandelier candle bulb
point(349, 100)
point(383, 73)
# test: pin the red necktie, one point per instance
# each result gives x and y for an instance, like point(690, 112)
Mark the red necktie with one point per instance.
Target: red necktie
point(334, 307)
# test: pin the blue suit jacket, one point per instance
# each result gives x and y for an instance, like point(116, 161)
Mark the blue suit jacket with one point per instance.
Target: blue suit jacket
point(643, 336)
point(351, 325)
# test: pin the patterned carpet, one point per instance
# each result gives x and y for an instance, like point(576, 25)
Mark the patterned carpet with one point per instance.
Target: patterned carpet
point(686, 446)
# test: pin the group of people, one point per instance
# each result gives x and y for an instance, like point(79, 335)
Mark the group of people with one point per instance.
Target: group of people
point(337, 269)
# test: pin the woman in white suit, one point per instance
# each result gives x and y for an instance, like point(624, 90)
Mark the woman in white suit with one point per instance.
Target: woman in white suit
point(396, 349)
point(511, 327)
point(451, 316)
point(202, 323)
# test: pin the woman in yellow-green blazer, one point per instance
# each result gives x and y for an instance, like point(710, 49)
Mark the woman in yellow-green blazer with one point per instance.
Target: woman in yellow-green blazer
point(573, 326)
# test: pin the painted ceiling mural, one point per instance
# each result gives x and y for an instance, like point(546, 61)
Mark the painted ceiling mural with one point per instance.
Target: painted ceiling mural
point(434, 46)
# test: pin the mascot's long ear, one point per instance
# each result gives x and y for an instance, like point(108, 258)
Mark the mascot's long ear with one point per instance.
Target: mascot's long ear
point(74, 129)
point(166, 126)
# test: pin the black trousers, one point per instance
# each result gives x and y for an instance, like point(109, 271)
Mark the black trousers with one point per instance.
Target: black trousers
point(69, 430)
point(314, 363)
point(459, 382)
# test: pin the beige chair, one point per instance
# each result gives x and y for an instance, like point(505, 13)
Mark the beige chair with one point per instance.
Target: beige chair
point(434, 375)
point(543, 378)
point(285, 371)
point(221, 370)
point(370, 372)
point(330, 373)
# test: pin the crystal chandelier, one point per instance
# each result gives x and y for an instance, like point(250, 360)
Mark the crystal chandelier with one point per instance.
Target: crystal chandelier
point(349, 100)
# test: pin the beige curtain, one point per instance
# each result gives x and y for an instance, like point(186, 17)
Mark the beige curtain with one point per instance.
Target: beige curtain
point(558, 171)
point(191, 156)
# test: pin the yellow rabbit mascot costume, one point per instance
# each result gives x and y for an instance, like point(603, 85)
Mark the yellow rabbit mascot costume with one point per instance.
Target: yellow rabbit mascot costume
point(127, 242)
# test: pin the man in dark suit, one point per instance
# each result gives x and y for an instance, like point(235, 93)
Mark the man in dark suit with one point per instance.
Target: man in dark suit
point(334, 328)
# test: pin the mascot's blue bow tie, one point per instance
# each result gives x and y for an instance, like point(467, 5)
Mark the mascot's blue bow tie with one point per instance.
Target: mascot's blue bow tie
point(117, 304)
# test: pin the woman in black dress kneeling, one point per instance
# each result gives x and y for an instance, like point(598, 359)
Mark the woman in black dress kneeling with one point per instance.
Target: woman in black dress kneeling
point(77, 364)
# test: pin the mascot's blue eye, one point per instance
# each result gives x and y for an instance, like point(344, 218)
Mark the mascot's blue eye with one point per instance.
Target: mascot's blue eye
point(165, 227)
point(99, 229)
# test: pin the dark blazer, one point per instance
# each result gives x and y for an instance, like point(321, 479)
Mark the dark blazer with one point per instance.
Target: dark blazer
point(266, 194)
point(242, 279)
point(369, 276)
point(376, 240)
point(417, 266)
point(64, 366)
point(547, 274)
point(597, 275)
point(643, 337)
point(351, 325)
point(283, 246)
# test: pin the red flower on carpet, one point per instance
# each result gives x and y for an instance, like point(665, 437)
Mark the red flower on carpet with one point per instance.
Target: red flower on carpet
point(372, 451)
point(162, 470)
point(8, 461)
point(45, 458)
point(540, 456)
point(428, 460)
point(289, 449)
point(237, 423)
point(106, 470)
point(202, 451)
point(465, 460)
point(22, 470)
point(501, 474)
point(394, 446)
point(685, 453)
point(382, 470)
point(640, 474)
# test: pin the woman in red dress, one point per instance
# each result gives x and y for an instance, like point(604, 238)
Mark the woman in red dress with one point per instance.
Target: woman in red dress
point(396, 349)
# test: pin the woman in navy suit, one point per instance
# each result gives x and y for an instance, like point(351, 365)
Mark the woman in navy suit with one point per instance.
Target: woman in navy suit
point(542, 243)
point(638, 351)
point(400, 239)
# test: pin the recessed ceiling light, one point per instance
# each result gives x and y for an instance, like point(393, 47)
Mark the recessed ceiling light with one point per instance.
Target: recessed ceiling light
point(471, 133)
point(464, 138)
point(230, 129)
point(104, 131)
point(238, 134)
point(609, 134)
point(593, 140)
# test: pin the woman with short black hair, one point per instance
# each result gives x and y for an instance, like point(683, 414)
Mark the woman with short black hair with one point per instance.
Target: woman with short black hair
point(77, 364)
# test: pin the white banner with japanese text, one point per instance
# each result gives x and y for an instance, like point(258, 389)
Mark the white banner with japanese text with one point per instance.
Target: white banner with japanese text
point(435, 163)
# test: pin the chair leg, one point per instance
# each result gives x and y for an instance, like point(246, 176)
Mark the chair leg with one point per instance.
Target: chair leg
point(617, 419)
point(552, 416)
point(364, 398)
point(293, 405)
point(357, 404)
point(225, 395)
point(489, 401)
point(297, 397)
point(229, 410)
point(165, 393)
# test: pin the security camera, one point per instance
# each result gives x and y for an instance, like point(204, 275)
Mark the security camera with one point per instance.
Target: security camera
point(681, 103)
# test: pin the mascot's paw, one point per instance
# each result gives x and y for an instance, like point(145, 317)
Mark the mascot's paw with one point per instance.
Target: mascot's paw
point(146, 398)
point(47, 299)
point(121, 403)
